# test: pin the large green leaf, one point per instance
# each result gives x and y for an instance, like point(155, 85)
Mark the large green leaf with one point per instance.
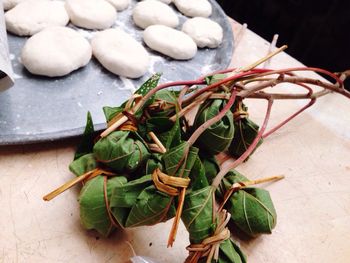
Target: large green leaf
point(121, 151)
point(83, 164)
point(230, 253)
point(217, 138)
point(211, 166)
point(93, 209)
point(197, 214)
point(147, 205)
point(197, 176)
point(251, 209)
point(111, 112)
point(245, 133)
point(177, 162)
point(125, 196)
point(87, 141)
point(151, 207)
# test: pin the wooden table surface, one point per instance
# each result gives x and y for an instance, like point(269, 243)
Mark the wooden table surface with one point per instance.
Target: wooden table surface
point(312, 202)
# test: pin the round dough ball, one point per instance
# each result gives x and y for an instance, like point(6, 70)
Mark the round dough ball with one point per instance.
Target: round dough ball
point(29, 17)
point(153, 12)
point(55, 51)
point(120, 53)
point(170, 42)
point(193, 8)
point(91, 14)
point(120, 5)
point(8, 4)
point(204, 31)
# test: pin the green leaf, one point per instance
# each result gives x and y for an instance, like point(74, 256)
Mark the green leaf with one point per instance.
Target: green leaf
point(231, 253)
point(93, 209)
point(245, 133)
point(152, 163)
point(218, 137)
point(251, 209)
point(151, 207)
point(87, 141)
point(83, 164)
point(147, 205)
point(125, 196)
point(111, 112)
point(177, 162)
point(197, 214)
point(197, 176)
point(121, 151)
point(150, 84)
point(211, 166)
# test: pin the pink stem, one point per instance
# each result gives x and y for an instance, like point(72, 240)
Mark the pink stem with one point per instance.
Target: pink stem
point(268, 133)
point(312, 101)
point(246, 154)
point(213, 120)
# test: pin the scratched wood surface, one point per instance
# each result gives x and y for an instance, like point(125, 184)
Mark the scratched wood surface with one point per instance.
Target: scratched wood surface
point(312, 202)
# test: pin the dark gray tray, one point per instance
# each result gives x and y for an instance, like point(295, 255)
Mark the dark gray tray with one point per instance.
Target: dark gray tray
point(41, 109)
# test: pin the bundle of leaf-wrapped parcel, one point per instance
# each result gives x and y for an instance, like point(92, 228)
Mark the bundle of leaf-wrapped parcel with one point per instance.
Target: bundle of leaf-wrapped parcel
point(151, 164)
point(147, 170)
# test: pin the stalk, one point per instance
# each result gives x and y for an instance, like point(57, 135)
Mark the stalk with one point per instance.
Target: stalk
point(245, 155)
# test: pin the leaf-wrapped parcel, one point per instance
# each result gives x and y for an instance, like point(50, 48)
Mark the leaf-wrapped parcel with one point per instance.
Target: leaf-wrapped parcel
point(146, 204)
point(218, 137)
point(245, 133)
point(93, 196)
point(122, 151)
point(251, 208)
point(200, 223)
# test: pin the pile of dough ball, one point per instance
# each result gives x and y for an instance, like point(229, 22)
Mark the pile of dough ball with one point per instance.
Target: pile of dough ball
point(54, 50)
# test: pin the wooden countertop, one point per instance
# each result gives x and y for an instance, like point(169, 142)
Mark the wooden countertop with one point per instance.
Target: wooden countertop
point(312, 202)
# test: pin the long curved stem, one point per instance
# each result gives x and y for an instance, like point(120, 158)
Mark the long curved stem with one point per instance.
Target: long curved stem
point(268, 133)
point(213, 120)
point(246, 154)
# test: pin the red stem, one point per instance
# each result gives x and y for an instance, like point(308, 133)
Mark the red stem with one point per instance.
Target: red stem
point(265, 135)
point(246, 154)
point(312, 101)
point(213, 120)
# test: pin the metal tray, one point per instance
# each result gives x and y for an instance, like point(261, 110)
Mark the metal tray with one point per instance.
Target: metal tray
point(41, 109)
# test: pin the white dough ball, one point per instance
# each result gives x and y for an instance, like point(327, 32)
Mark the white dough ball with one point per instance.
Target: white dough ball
point(194, 8)
point(91, 14)
point(55, 51)
point(29, 17)
point(204, 31)
point(120, 53)
point(120, 5)
point(153, 12)
point(8, 4)
point(170, 42)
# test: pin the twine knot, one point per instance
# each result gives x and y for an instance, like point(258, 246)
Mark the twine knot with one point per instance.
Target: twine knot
point(210, 246)
point(169, 184)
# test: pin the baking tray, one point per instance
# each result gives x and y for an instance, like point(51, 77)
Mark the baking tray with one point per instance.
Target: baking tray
point(40, 109)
